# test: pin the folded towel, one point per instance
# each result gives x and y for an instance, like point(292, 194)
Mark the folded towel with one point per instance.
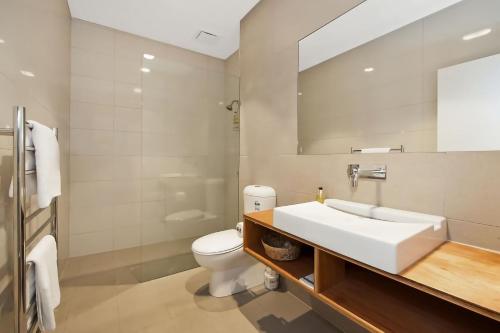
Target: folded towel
point(48, 175)
point(308, 280)
point(375, 150)
point(48, 294)
point(48, 172)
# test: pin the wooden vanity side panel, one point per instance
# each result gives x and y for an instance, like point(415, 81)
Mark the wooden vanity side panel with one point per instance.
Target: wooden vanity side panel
point(328, 270)
point(251, 234)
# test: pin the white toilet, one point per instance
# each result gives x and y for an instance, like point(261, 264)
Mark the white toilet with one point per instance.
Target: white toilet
point(232, 270)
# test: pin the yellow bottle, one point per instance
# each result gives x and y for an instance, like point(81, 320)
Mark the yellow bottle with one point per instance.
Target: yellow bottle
point(320, 197)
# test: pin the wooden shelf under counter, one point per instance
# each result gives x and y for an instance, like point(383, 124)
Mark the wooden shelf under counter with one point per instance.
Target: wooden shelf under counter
point(455, 288)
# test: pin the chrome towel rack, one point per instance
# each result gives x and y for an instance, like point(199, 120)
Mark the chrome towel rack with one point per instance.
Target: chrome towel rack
point(400, 149)
point(26, 320)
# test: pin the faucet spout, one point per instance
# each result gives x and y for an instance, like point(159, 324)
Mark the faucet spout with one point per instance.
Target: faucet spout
point(355, 172)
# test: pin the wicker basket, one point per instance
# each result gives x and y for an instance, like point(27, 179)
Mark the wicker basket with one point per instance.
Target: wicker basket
point(280, 248)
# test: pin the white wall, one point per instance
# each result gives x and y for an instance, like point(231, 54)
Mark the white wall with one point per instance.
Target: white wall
point(469, 106)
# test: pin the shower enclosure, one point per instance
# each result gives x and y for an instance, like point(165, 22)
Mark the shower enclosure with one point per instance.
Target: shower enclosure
point(190, 154)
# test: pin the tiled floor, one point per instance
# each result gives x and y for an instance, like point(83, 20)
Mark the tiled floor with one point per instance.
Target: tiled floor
point(99, 298)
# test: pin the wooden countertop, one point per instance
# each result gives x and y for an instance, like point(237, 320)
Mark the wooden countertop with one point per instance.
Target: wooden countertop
point(461, 274)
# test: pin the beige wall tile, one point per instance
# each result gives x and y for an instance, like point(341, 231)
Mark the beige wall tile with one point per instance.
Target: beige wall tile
point(91, 37)
point(87, 89)
point(155, 121)
point(126, 167)
point(90, 218)
point(128, 214)
point(91, 116)
point(153, 144)
point(127, 119)
point(126, 191)
point(131, 47)
point(480, 235)
point(153, 190)
point(127, 143)
point(95, 193)
point(472, 187)
point(126, 237)
point(128, 71)
point(153, 212)
point(126, 97)
point(91, 142)
point(94, 242)
point(46, 96)
point(91, 64)
point(153, 166)
point(91, 168)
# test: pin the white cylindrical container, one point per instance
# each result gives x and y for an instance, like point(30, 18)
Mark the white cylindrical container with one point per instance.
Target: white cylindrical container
point(271, 279)
point(258, 197)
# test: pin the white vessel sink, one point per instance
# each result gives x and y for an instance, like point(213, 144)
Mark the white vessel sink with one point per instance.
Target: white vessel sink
point(385, 238)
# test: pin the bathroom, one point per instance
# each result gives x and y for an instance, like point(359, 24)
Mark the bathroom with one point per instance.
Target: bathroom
point(182, 124)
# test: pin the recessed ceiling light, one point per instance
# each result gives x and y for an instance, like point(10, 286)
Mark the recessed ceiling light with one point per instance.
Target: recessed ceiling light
point(27, 73)
point(137, 90)
point(221, 103)
point(145, 70)
point(477, 34)
point(369, 69)
point(2, 41)
point(148, 56)
point(300, 94)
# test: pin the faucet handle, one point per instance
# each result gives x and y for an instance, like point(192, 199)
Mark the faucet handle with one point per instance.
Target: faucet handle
point(353, 174)
point(352, 169)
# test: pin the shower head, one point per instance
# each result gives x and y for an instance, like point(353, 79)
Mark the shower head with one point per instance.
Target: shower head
point(230, 106)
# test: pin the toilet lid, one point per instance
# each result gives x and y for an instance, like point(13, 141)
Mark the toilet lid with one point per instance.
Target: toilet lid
point(218, 242)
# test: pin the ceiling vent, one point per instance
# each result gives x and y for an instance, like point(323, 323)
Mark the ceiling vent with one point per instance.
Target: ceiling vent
point(206, 37)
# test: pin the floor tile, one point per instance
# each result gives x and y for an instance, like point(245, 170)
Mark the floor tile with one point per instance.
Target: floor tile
point(100, 294)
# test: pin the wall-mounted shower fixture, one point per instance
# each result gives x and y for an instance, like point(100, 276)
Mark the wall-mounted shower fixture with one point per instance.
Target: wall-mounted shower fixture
point(230, 106)
point(354, 172)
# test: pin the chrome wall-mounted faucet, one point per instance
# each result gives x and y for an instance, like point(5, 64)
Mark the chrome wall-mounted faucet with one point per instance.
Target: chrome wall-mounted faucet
point(354, 172)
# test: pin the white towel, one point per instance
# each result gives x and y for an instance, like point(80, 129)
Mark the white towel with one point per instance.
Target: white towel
point(375, 150)
point(48, 294)
point(29, 164)
point(45, 160)
point(48, 174)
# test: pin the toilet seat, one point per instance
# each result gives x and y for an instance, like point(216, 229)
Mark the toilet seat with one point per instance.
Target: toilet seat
point(218, 243)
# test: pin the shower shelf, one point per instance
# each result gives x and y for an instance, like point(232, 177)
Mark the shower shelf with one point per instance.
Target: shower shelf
point(451, 290)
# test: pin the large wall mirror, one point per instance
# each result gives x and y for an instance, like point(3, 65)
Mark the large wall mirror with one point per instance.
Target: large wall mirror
point(422, 74)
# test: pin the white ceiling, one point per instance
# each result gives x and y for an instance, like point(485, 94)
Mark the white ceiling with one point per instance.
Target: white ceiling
point(368, 21)
point(175, 22)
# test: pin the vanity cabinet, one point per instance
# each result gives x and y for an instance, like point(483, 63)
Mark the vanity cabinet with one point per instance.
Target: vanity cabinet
point(456, 288)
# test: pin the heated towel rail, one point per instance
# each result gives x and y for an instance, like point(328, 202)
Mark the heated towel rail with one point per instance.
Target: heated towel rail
point(26, 320)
